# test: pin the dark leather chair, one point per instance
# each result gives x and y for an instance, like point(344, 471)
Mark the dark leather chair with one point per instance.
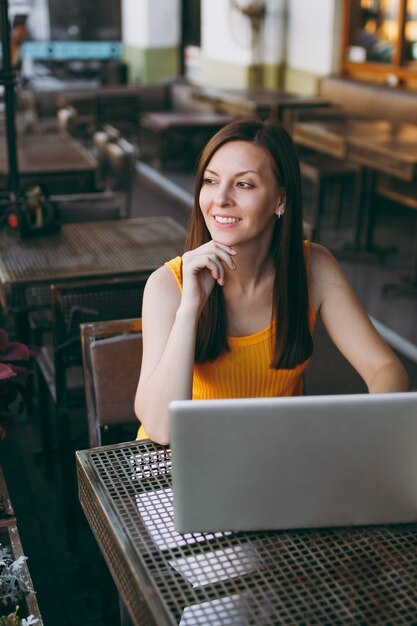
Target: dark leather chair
point(112, 356)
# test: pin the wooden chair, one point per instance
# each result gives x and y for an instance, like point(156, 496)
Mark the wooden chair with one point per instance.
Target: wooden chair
point(83, 207)
point(117, 159)
point(119, 164)
point(112, 355)
point(59, 366)
point(326, 173)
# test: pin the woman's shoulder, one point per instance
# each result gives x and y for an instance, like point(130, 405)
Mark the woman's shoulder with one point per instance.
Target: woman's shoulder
point(161, 296)
point(325, 273)
point(162, 280)
point(321, 258)
point(325, 270)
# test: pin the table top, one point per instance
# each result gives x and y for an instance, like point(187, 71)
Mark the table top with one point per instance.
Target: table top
point(259, 101)
point(258, 95)
point(162, 120)
point(48, 153)
point(380, 144)
point(362, 575)
point(86, 250)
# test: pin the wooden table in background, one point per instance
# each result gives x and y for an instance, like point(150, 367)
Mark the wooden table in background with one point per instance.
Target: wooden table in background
point(55, 160)
point(81, 251)
point(259, 102)
point(174, 139)
point(378, 146)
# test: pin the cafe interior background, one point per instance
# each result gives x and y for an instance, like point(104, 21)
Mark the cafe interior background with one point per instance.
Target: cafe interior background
point(214, 46)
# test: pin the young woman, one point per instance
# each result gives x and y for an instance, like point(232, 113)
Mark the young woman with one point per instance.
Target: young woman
point(234, 316)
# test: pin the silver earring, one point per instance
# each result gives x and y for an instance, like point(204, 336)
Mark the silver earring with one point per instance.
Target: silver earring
point(281, 207)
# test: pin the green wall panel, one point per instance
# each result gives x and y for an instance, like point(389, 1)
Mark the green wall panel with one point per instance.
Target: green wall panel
point(148, 65)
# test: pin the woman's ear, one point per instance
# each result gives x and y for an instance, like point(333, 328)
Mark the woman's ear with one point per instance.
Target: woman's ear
point(280, 210)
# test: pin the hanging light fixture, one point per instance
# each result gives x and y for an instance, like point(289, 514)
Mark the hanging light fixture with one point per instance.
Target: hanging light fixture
point(253, 9)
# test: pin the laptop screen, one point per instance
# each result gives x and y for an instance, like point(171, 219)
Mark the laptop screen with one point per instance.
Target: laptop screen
point(299, 462)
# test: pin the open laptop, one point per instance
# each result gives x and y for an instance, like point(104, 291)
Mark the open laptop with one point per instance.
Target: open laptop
point(300, 462)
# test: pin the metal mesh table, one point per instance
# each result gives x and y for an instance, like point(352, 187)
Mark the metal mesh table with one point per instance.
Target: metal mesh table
point(83, 250)
point(362, 575)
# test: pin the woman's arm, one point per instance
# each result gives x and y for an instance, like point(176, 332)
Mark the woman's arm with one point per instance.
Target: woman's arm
point(168, 354)
point(169, 325)
point(350, 328)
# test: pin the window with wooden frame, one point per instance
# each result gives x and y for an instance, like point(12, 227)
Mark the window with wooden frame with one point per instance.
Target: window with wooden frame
point(380, 41)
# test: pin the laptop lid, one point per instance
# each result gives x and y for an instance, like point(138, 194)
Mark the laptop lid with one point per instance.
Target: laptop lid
point(299, 462)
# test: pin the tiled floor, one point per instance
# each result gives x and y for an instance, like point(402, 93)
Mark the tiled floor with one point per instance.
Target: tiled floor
point(70, 585)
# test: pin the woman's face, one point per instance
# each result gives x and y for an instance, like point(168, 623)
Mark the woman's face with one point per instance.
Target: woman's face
point(240, 196)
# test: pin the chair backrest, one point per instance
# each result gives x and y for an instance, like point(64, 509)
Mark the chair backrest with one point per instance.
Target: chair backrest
point(89, 207)
point(117, 107)
point(116, 157)
point(112, 356)
point(366, 99)
point(87, 301)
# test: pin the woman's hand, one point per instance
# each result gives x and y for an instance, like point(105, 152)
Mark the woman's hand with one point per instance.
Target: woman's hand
point(201, 268)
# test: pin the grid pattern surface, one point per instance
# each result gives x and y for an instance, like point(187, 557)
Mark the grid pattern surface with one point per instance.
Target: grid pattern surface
point(88, 249)
point(114, 301)
point(363, 575)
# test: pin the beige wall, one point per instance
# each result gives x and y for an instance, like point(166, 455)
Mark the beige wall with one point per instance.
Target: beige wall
point(299, 43)
point(151, 36)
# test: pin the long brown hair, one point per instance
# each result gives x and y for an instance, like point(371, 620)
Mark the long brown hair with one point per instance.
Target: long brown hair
point(293, 343)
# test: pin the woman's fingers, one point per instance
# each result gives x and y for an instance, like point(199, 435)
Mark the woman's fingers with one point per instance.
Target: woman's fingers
point(213, 251)
point(204, 265)
point(209, 262)
point(225, 253)
point(216, 268)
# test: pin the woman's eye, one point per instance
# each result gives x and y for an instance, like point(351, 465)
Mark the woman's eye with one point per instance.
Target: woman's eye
point(208, 181)
point(244, 185)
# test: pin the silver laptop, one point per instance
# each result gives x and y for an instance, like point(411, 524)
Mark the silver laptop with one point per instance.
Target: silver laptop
point(275, 463)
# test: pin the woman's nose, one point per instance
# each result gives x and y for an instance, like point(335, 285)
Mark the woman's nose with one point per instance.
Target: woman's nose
point(223, 195)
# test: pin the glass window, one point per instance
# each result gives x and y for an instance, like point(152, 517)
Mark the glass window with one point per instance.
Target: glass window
point(374, 31)
point(410, 33)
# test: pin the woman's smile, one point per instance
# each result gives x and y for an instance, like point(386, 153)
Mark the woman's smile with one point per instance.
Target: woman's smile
point(226, 220)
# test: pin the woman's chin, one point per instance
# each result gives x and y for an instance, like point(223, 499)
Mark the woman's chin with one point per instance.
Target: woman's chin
point(227, 236)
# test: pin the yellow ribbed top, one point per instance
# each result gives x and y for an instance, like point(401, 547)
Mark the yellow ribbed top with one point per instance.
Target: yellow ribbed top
point(244, 371)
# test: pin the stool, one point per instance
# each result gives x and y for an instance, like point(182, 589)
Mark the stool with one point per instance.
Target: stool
point(320, 170)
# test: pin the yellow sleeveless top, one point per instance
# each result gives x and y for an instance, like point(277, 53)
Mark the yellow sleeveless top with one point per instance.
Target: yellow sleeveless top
point(244, 371)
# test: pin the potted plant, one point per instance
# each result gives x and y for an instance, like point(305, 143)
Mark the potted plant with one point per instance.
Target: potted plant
point(18, 605)
point(14, 620)
point(15, 583)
